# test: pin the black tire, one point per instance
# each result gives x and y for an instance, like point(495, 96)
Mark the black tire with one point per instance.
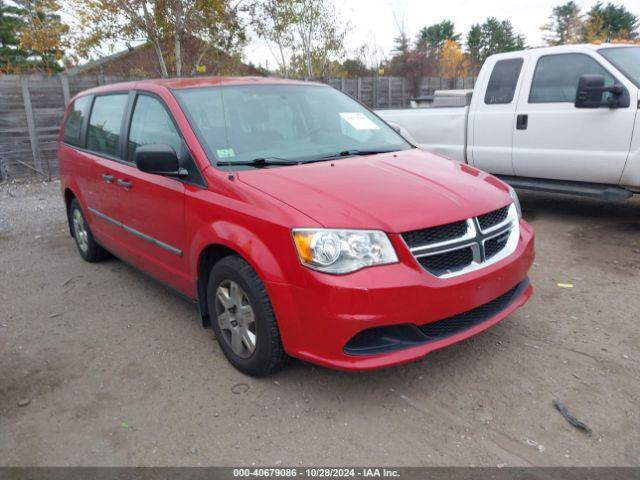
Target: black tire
point(88, 248)
point(269, 355)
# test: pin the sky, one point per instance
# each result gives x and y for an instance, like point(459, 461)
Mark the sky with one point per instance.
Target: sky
point(372, 20)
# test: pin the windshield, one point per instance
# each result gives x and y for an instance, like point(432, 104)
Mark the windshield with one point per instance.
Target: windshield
point(626, 59)
point(244, 123)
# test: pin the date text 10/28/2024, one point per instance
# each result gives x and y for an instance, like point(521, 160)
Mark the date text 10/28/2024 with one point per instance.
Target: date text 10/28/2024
point(293, 472)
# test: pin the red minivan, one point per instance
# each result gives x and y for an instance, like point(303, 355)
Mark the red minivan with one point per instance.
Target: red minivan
point(299, 222)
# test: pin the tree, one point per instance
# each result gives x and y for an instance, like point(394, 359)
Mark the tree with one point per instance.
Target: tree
point(401, 42)
point(273, 21)
point(320, 34)
point(307, 33)
point(606, 23)
point(565, 25)
point(12, 57)
point(433, 37)
point(119, 20)
point(44, 33)
point(452, 62)
point(33, 38)
point(370, 54)
point(474, 44)
point(492, 37)
point(216, 23)
point(354, 67)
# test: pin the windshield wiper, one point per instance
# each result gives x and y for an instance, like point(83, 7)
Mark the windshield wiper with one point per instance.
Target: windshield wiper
point(260, 162)
point(353, 153)
point(269, 161)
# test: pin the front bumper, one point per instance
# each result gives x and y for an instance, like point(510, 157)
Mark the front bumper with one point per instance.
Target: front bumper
point(321, 320)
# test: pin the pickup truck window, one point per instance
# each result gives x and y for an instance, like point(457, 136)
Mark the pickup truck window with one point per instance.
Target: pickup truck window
point(241, 123)
point(104, 124)
point(626, 59)
point(556, 77)
point(503, 81)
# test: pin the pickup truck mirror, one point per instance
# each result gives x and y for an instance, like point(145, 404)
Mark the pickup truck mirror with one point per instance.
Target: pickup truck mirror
point(160, 159)
point(591, 90)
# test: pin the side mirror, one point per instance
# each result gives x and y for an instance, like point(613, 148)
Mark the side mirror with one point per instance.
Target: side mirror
point(396, 127)
point(403, 133)
point(591, 90)
point(159, 159)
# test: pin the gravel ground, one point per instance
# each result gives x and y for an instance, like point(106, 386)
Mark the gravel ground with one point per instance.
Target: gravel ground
point(115, 370)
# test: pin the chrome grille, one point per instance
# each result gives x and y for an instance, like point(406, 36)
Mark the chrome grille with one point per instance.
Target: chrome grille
point(493, 245)
point(435, 234)
point(463, 246)
point(494, 218)
point(441, 263)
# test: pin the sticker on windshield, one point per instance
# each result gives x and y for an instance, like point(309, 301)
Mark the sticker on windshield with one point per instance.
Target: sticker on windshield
point(359, 121)
point(225, 153)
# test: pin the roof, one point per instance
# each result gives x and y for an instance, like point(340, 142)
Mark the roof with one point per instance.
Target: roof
point(567, 48)
point(195, 82)
point(586, 46)
point(77, 70)
point(141, 60)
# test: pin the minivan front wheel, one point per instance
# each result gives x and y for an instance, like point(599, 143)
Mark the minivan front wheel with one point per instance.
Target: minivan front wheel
point(243, 319)
point(87, 246)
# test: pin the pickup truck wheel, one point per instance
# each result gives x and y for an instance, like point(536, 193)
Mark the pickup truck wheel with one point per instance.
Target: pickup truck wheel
point(243, 319)
point(87, 247)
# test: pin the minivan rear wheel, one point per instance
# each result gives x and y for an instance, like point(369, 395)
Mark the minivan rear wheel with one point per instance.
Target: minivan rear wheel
point(243, 319)
point(87, 246)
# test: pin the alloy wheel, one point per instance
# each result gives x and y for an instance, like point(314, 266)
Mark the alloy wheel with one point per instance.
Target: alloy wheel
point(236, 318)
point(80, 230)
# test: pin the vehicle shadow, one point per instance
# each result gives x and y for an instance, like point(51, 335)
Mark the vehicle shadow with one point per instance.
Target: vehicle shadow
point(574, 208)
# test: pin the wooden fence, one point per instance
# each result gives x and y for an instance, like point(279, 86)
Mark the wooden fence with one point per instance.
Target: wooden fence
point(31, 109)
point(395, 92)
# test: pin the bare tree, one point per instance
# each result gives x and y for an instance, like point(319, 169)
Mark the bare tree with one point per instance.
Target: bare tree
point(370, 53)
point(273, 22)
point(402, 44)
point(320, 33)
point(303, 35)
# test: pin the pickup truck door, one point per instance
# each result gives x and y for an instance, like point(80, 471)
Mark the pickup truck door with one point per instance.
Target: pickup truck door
point(492, 114)
point(554, 139)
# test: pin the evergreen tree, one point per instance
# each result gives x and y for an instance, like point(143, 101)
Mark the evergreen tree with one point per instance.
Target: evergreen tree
point(12, 57)
point(565, 25)
point(434, 36)
point(610, 22)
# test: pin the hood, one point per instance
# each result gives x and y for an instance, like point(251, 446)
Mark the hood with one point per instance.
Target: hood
point(395, 192)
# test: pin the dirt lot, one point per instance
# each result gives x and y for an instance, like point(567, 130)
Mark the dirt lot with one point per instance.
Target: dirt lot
point(118, 371)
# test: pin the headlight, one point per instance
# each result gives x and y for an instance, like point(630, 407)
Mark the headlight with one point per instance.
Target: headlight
point(342, 251)
point(516, 202)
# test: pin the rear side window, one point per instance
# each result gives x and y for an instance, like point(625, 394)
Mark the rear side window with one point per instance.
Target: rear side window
point(503, 81)
point(556, 77)
point(73, 123)
point(151, 124)
point(103, 135)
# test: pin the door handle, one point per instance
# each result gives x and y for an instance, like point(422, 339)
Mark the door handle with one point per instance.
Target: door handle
point(124, 184)
point(522, 122)
point(107, 178)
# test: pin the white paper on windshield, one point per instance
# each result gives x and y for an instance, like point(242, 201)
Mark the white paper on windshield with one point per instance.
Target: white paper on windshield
point(225, 153)
point(359, 121)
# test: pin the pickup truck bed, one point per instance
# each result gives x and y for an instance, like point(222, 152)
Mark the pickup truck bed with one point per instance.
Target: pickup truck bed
point(446, 133)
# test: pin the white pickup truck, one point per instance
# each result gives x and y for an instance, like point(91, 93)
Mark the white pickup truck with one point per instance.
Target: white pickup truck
point(561, 119)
